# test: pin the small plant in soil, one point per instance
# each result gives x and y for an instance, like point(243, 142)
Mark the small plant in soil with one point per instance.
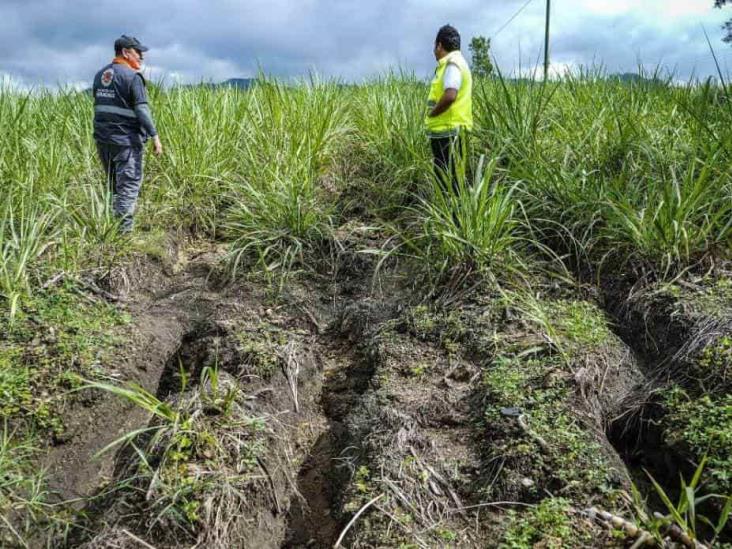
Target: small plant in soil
point(193, 461)
point(57, 338)
point(554, 448)
point(548, 523)
point(23, 499)
point(260, 349)
point(702, 427)
point(713, 369)
point(687, 519)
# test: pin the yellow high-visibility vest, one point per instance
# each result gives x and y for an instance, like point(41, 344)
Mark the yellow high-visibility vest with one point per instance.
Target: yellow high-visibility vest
point(460, 113)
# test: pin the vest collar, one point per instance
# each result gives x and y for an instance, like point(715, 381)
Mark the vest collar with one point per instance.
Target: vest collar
point(452, 56)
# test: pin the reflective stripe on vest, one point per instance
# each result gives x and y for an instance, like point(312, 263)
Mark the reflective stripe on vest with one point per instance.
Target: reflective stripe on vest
point(460, 113)
point(109, 109)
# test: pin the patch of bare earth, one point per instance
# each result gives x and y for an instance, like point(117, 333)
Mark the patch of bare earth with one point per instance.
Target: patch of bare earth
point(348, 420)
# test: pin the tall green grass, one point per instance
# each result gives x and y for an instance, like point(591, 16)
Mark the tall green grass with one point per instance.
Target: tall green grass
point(607, 171)
point(623, 174)
point(468, 227)
point(281, 203)
point(390, 148)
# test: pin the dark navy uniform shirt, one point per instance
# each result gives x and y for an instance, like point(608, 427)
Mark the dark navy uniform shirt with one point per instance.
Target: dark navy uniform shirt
point(118, 91)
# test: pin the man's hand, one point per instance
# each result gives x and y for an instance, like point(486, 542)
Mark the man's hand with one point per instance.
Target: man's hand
point(447, 99)
point(157, 146)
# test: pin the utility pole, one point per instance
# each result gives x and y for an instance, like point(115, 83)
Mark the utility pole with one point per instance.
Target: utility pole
point(546, 39)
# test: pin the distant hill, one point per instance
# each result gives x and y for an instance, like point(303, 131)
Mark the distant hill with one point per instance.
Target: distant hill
point(635, 78)
point(627, 77)
point(237, 83)
point(240, 83)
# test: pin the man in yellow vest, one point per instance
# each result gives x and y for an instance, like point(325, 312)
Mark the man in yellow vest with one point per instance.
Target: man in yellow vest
point(450, 105)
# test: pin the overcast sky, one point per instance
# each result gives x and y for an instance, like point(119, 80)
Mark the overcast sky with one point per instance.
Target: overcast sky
point(64, 41)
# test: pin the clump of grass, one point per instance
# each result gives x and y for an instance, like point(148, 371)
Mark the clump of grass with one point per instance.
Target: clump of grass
point(279, 210)
point(689, 519)
point(22, 492)
point(275, 227)
point(90, 220)
point(203, 131)
point(613, 170)
point(190, 469)
point(513, 116)
point(471, 228)
point(25, 234)
point(669, 223)
point(391, 151)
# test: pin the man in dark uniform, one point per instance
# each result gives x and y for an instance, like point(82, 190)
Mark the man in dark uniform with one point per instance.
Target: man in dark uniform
point(122, 125)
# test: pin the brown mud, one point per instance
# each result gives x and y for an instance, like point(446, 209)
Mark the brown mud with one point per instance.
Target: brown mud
point(164, 307)
point(366, 400)
point(278, 353)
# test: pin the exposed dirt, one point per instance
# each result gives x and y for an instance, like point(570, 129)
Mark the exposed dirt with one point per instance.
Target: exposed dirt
point(163, 308)
point(315, 518)
point(364, 399)
point(277, 353)
point(419, 441)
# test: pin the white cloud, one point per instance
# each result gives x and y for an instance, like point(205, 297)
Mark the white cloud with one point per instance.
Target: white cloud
point(649, 8)
point(607, 7)
point(52, 41)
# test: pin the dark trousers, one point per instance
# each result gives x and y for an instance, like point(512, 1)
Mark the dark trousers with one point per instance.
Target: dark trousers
point(447, 152)
point(123, 167)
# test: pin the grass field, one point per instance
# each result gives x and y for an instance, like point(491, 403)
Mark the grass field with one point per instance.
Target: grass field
point(598, 211)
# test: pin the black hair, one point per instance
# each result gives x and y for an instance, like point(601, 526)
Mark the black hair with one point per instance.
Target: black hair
point(449, 37)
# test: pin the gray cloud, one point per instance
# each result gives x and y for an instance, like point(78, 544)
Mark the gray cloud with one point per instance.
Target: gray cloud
point(57, 41)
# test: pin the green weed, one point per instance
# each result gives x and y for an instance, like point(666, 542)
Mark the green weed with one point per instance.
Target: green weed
point(548, 523)
point(702, 426)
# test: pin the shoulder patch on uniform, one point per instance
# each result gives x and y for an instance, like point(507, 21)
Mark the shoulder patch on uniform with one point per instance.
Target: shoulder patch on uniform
point(107, 77)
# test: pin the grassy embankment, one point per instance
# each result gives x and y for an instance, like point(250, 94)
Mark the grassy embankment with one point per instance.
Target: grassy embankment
point(625, 185)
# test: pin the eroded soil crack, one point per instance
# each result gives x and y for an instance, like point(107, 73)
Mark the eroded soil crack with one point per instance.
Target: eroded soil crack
point(315, 519)
point(159, 325)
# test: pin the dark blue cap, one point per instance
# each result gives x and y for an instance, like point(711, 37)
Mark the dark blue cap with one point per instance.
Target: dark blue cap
point(129, 42)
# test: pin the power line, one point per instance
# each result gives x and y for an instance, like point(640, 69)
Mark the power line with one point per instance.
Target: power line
point(514, 16)
point(546, 39)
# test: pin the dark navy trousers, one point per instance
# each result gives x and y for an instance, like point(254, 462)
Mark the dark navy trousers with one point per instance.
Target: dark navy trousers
point(123, 166)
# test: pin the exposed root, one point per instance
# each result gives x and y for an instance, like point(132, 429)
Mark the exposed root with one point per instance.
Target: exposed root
point(354, 519)
point(291, 369)
point(642, 537)
point(134, 538)
point(521, 420)
point(679, 536)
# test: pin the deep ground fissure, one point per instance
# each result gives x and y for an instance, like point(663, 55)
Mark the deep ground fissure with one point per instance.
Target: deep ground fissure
point(315, 518)
point(636, 434)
